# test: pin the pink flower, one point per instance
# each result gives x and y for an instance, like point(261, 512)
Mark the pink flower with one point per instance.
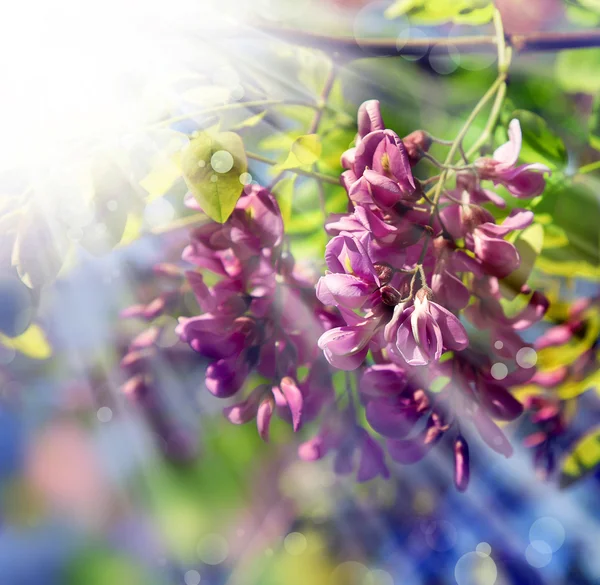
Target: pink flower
point(522, 181)
point(421, 332)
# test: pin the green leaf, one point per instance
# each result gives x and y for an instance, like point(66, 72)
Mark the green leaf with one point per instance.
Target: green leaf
point(32, 343)
point(251, 121)
point(114, 196)
point(577, 71)
point(540, 144)
point(40, 248)
point(595, 124)
point(529, 244)
point(438, 11)
point(307, 148)
point(212, 165)
point(582, 16)
point(284, 193)
point(101, 566)
point(573, 208)
point(162, 177)
point(583, 459)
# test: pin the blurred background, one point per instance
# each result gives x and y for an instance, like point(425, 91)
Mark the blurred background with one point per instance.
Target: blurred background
point(98, 99)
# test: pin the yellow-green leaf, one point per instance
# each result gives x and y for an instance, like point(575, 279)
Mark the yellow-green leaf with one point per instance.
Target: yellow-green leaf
point(251, 121)
point(32, 343)
point(284, 193)
point(307, 149)
point(583, 459)
point(529, 244)
point(577, 71)
point(161, 178)
point(212, 165)
point(573, 388)
point(433, 12)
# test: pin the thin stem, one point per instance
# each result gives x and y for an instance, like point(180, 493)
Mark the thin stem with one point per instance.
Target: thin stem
point(492, 120)
point(454, 148)
point(232, 106)
point(439, 165)
point(298, 171)
point(327, 87)
point(180, 223)
point(500, 41)
point(589, 168)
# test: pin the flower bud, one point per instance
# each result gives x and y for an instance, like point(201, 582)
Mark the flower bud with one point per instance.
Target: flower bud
point(486, 167)
point(423, 294)
point(384, 272)
point(417, 142)
point(472, 216)
point(461, 464)
point(390, 296)
point(168, 270)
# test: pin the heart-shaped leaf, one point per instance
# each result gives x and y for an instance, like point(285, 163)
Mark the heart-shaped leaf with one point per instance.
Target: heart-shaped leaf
point(212, 165)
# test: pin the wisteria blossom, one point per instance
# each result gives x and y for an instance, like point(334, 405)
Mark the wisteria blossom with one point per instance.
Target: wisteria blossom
point(411, 271)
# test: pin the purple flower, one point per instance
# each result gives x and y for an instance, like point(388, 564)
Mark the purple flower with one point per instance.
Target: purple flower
point(522, 181)
point(346, 439)
point(352, 279)
point(461, 464)
point(497, 256)
point(346, 347)
point(420, 333)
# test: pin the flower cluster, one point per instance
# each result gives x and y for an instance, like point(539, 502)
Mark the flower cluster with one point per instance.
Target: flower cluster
point(259, 319)
point(402, 269)
point(151, 349)
point(567, 367)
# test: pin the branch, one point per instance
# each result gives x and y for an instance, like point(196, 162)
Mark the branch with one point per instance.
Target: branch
point(297, 170)
point(386, 47)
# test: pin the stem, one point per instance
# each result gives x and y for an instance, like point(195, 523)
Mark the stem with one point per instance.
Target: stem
point(315, 126)
point(180, 223)
point(439, 165)
point(492, 120)
point(232, 106)
point(453, 150)
point(298, 171)
point(589, 168)
point(349, 47)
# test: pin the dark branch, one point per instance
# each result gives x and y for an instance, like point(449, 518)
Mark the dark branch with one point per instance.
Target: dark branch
point(351, 47)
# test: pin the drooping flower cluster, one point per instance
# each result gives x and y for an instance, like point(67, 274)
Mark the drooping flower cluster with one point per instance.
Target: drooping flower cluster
point(260, 320)
point(146, 355)
point(402, 269)
point(567, 355)
point(411, 300)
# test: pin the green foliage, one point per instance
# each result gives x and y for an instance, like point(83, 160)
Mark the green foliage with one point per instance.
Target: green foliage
point(212, 165)
point(583, 459)
point(595, 124)
point(32, 343)
point(40, 248)
point(540, 144)
point(577, 71)
point(305, 150)
point(529, 244)
point(251, 121)
point(113, 197)
point(573, 208)
point(101, 566)
point(188, 500)
point(284, 193)
point(438, 11)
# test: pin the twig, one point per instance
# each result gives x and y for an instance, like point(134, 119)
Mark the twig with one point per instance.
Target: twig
point(232, 106)
point(298, 171)
point(327, 87)
point(388, 47)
